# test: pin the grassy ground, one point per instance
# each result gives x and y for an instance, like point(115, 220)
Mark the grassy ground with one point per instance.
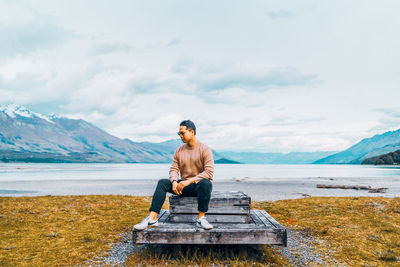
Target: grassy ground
point(63, 230)
point(69, 230)
point(358, 231)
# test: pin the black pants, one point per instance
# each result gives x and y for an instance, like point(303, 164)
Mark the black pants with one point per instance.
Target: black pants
point(201, 190)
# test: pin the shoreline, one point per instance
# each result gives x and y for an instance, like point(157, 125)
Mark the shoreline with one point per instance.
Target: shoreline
point(257, 189)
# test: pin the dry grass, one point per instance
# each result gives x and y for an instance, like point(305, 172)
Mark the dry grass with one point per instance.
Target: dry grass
point(206, 255)
point(63, 230)
point(69, 230)
point(358, 231)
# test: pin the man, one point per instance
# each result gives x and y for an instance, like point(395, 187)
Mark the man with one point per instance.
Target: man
point(194, 161)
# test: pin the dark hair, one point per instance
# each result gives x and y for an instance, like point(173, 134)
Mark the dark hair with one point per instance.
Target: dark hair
point(189, 125)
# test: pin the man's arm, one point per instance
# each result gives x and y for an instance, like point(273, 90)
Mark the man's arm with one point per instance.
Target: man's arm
point(174, 170)
point(208, 167)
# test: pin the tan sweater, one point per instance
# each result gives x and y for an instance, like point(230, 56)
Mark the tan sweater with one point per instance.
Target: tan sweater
point(192, 162)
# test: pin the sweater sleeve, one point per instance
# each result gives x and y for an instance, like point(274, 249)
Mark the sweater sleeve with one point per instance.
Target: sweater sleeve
point(174, 170)
point(208, 161)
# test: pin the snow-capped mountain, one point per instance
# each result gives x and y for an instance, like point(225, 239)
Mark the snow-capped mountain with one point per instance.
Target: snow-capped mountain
point(14, 111)
point(30, 136)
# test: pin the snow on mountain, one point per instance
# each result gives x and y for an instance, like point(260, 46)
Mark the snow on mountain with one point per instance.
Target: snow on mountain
point(33, 137)
point(14, 110)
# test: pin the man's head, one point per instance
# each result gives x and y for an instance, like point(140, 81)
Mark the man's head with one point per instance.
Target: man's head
point(187, 131)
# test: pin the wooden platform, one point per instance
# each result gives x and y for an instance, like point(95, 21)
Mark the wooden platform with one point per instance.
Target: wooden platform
point(229, 213)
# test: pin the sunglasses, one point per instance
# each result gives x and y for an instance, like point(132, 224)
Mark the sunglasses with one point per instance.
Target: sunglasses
point(181, 133)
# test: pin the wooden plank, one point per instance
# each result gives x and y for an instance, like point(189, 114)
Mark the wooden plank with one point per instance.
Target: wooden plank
point(282, 233)
point(224, 197)
point(162, 217)
point(255, 218)
point(221, 202)
point(238, 198)
point(265, 221)
point(166, 227)
point(212, 209)
point(270, 219)
point(212, 218)
point(193, 200)
point(214, 236)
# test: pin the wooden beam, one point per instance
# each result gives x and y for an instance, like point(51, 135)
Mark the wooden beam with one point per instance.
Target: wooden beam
point(212, 218)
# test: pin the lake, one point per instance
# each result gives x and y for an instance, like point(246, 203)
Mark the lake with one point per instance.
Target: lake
point(261, 182)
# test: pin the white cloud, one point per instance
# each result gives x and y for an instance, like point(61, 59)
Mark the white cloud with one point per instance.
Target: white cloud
point(310, 79)
point(281, 13)
point(31, 36)
point(102, 49)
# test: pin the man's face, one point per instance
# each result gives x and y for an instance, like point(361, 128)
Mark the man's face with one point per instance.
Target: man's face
point(185, 134)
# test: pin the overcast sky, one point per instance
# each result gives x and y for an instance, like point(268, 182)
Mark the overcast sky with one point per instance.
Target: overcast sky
point(274, 76)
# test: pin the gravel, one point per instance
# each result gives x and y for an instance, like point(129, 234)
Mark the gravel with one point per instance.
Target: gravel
point(300, 251)
point(119, 252)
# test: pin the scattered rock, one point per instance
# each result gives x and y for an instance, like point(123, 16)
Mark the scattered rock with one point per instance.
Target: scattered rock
point(378, 190)
point(238, 180)
point(53, 235)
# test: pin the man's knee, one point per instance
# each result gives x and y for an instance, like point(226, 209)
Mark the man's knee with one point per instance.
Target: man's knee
point(163, 182)
point(205, 184)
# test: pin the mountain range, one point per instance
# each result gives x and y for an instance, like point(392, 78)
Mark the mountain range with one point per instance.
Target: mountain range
point(275, 158)
point(369, 147)
point(27, 136)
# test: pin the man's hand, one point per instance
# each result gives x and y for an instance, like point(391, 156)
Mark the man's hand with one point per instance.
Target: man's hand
point(182, 185)
point(174, 187)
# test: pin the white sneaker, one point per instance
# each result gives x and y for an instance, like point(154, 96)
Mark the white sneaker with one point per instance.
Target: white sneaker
point(146, 223)
point(202, 222)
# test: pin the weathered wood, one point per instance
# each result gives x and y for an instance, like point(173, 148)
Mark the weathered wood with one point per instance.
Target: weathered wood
point(212, 209)
point(212, 218)
point(270, 219)
point(163, 216)
point(356, 187)
point(378, 190)
point(230, 214)
point(225, 197)
point(221, 202)
point(263, 219)
point(255, 218)
point(258, 231)
point(214, 236)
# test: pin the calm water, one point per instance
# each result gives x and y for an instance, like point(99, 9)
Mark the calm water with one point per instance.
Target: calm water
point(261, 182)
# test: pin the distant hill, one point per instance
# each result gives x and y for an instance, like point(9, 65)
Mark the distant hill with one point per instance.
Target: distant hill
point(275, 158)
point(392, 158)
point(369, 147)
point(168, 147)
point(226, 161)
